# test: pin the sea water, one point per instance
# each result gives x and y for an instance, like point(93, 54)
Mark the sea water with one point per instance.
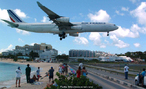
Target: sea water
point(8, 73)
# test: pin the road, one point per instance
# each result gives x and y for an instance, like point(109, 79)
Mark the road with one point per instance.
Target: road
point(106, 84)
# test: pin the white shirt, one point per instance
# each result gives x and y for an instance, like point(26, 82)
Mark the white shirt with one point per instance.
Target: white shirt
point(38, 72)
point(126, 69)
point(60, 68)
point(81, 65)
point(18, 73)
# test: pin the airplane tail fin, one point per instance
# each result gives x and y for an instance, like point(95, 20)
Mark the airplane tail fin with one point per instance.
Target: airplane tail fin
point(14, 17)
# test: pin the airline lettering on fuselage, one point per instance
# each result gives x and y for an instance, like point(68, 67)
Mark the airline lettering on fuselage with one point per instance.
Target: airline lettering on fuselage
point(92, 23)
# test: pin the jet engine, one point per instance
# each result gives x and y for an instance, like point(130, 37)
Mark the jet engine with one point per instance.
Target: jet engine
point(63, 19)
point(76, 27)
point(74, 34)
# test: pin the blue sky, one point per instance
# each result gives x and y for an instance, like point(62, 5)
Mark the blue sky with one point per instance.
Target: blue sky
point(128, 15)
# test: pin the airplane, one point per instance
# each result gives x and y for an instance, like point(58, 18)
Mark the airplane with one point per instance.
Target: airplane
point(60, 25)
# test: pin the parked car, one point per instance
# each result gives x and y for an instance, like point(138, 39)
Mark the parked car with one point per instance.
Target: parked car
point(138, 80)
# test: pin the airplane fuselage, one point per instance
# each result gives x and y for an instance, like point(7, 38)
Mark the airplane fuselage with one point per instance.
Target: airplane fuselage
point(60, 25)
point(78, 27)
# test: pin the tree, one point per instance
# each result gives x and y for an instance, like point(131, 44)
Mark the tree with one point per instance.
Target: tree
point(65, 57)
point(19, 54)
point(33, 54)
point(72, 81)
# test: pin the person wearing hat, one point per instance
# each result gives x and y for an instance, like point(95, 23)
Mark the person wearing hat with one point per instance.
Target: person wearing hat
point(51, 71)
point(18, 76)
point(28, 71)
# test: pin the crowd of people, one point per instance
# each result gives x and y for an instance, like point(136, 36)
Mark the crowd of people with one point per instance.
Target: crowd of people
point(81, 71)
point(28, 73)
point(63, 70)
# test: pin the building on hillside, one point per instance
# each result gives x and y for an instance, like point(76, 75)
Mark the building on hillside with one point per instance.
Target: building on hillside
point(25, 50)
point(108, 58)
point(48, 55)
point(125, 59)
point(81, 53)
point(116, 58)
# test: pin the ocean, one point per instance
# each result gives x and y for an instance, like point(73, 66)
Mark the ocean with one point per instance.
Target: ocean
point(8, 73)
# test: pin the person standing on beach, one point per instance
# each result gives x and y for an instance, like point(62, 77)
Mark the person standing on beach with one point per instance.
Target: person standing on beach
point(84, 71)
point(60, 69)
point(51, 71)
point(38, 73)
point(18, 76)
point(66, 69)
point(81, 65)
point(28, 71)
point(78, 72)
point(126, 68)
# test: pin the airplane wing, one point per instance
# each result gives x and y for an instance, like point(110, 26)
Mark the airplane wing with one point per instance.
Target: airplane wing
point(58, 20)
point(11, 24)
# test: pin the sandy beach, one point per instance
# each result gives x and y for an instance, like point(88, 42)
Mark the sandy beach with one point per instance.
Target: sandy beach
point(45, 67)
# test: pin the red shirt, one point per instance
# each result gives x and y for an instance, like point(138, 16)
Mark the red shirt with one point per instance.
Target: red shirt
point(78, 73)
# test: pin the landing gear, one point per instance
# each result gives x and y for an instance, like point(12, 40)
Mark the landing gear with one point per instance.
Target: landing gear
point(107, 33)
point(62, 35)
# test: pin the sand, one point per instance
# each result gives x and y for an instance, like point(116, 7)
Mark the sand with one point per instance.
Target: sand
point(45, 67)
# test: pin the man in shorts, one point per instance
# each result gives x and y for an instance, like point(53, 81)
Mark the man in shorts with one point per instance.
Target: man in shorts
point(51, 71)
point(38, 73)
point(18, 75)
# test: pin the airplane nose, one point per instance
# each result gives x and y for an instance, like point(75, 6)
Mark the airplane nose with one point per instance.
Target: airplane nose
point(117, 27)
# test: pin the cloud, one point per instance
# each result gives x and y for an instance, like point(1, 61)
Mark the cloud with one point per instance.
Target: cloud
point(133, 32)
point(101, 15)
point(22, 32)
point(81, 14)
point(136, 28)
point(35, 19)
point(125, 9)
point(122, 14)
point(20, 13)
point(81, 40)
point(118, 43)
point(20, 40)
point(3, 14)
point(32, 44)
point(137, 45)
point(62, 52)
point(134, 1)
point(140, 13)
point(95, 37)
point(103, 46)
point(10, 47)
point(45, 19)
point(124, 32)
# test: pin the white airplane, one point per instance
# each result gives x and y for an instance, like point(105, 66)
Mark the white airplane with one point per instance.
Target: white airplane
point(60, 25)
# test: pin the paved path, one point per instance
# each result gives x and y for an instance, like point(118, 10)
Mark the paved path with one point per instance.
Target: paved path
point(122, 71)
point(115, 75)
point(106, 84)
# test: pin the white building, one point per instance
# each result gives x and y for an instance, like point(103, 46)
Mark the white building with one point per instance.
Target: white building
point(125, 58)
point(48, 55)
point(109, 58)
point(116, 58)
